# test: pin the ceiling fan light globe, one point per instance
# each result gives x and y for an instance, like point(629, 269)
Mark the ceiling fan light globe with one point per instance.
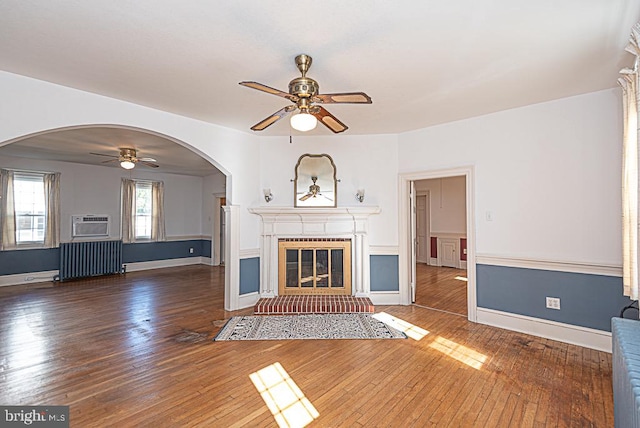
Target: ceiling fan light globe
point(126, 164)
point(303, 122)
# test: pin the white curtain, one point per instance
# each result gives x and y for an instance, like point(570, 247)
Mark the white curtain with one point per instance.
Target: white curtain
point(128, 210)
point(631, 100)
point(7, 211)
point(157, 211)
point(52, 206)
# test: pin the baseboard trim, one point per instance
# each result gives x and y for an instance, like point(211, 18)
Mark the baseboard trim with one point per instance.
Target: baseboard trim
point(46, 276)
point(567, 333)
point(157, 264)
point(27, 278)
point(248, 300)
point(385, 297)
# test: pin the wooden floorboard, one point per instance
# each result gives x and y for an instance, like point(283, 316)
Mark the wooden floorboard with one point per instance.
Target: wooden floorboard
point(441, 288)
point(137, 350)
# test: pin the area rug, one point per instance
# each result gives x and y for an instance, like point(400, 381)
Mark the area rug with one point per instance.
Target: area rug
point(307, 326)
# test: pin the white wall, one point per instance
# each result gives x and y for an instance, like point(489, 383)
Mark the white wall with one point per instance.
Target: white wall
point(447, 207)
point(88, 189)
point(361, 161)
point(30, 106)
point(549, 174)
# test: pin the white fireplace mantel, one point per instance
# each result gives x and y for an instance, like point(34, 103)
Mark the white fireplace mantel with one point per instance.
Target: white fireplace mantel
point(285, 222)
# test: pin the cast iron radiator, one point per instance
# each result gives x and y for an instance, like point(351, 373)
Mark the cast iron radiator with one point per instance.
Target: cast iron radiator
point(83, 259)
point(626, 372)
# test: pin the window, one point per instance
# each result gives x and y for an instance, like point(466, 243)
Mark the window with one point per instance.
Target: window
point(30, 208)
point(143, 210)
point(142, 213)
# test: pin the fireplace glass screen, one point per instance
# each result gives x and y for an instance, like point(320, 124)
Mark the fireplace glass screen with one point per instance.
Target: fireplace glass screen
point(315, 268)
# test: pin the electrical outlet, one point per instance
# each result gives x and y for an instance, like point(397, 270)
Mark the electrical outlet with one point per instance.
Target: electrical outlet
point(553, 303)
point(190, 250)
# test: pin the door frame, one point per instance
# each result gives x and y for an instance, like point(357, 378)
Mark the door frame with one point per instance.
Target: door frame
point(404, 236)
point(215, 233)
point(427, 226)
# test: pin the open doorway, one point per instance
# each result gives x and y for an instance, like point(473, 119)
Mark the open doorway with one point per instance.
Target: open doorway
point(451, 249)
point(219, 229)
point(441, 236)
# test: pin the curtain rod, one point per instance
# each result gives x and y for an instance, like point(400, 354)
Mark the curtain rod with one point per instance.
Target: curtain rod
point(29, 171)
point(143, 180)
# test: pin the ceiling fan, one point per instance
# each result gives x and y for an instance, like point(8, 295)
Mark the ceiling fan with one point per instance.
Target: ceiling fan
point(314, 191)
point(303, 92)
point(128, 159)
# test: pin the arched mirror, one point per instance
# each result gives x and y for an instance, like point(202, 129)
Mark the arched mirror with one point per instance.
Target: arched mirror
point(315, 184)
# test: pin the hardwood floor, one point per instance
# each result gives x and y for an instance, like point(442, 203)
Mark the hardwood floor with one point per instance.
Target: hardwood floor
point(136, 350)
point(441, 288)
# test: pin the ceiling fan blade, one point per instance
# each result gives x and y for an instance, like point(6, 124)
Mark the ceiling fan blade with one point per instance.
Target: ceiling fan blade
point(102, 154)
point(283, 112)
point(343, 98)
point(110, 160)
point(147, 163)
point(147, 160)
point(269, 90)
point(305, 197)
point(327, 119)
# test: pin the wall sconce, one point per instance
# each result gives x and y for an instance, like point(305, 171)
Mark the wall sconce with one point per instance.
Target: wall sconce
point(268, 196)
point(360, 195)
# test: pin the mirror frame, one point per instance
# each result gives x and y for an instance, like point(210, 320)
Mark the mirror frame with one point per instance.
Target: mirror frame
point(327, 177)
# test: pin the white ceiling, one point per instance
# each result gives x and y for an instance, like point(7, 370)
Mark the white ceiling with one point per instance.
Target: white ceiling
point(78, 146)
point(423, 62)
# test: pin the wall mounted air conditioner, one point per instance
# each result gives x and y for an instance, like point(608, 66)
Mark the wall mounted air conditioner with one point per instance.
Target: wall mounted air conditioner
point(89, 225)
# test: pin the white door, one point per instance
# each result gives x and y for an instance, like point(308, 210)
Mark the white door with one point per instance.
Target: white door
point(412, 222)
point(421, 229)
point(449, 252)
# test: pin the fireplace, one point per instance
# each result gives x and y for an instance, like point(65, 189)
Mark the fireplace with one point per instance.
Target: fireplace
point(329, 230)
point(314, 266)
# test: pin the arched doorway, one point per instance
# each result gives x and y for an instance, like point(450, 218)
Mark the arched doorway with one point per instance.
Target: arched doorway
point(89, 154)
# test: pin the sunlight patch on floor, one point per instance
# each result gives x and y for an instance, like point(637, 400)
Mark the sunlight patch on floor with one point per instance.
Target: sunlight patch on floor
point(413, 331)
point(285, 400)
point(459, 352)
point(461, 278)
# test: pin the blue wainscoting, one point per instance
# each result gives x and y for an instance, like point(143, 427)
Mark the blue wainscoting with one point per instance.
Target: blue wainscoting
point(384, 273)
point(151, 251)
point(249, 275)
point(28, 261)
point(585, 300)
point(41, 259)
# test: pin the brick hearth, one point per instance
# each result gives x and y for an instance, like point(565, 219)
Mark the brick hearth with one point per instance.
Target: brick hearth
point(313, 305)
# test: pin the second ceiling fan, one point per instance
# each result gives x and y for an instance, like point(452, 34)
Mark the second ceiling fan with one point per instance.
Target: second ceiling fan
point(304, 93)
point(128, 159)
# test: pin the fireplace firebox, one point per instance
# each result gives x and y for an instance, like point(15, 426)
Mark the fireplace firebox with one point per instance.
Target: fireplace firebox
point(314, 266)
